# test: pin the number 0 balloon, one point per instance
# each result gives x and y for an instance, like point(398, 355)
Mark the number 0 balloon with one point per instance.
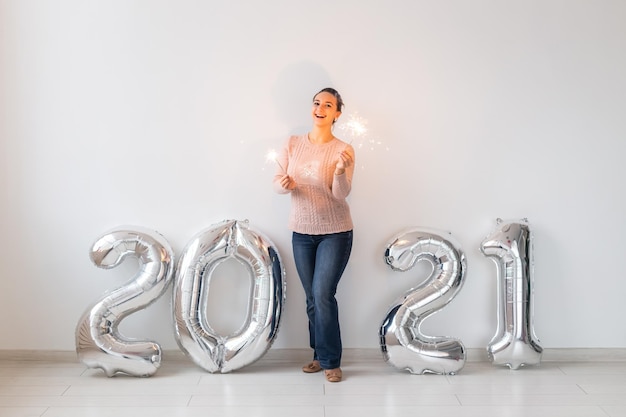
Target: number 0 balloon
point(510, 247)
point(98, 342)
point(209, 350)
point(402, 343)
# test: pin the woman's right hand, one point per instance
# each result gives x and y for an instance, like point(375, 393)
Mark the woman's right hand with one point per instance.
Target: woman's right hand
point(287, 183)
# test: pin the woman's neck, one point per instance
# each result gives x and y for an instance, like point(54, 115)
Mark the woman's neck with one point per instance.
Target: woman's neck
point(319, 136)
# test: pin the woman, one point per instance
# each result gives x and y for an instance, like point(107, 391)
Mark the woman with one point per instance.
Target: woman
point(316, 168)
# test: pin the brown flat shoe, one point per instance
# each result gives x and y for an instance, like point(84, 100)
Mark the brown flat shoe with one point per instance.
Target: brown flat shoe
point(333, 375)
point(312, 367)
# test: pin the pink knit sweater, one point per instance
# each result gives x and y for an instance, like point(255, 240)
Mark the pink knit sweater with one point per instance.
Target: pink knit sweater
point(318, 203)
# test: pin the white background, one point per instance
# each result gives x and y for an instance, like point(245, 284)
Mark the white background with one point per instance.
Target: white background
point(160, 113)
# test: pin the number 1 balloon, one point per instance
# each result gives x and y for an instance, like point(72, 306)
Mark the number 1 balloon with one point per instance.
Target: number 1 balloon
point(510, 247)
point(98, 342)
point(401, 340)
point(227, 240)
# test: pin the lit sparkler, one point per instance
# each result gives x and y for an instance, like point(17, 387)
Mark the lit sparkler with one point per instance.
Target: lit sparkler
point(354, 127)
point(272, 156)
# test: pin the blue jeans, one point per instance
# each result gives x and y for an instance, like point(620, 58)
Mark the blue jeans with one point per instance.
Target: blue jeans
point(320, 261)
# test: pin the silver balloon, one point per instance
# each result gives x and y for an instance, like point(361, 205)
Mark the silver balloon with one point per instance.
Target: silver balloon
point(510, 246)
point(227, 240)
point(401, 341)
point(98, 342)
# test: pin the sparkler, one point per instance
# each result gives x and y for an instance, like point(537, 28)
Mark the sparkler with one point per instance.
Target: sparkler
point(272, 156)
point(354, 127)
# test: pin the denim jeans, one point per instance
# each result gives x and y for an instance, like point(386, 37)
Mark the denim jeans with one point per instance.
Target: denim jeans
point(320, 261)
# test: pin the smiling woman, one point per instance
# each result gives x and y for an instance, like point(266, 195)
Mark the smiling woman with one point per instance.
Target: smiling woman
point(317, 172)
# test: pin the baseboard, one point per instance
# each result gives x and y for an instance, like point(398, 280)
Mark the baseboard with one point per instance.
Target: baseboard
point(354, 354)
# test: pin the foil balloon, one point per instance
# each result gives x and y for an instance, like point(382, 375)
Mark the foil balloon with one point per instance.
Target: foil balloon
point(225, 353)
point(510, 246)
point(98, 342)
point(401, 340)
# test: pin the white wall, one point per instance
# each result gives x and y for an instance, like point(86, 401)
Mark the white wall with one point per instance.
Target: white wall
point(160, 113)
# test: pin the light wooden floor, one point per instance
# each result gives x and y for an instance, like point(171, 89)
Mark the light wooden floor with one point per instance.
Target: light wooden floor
point(275, 386)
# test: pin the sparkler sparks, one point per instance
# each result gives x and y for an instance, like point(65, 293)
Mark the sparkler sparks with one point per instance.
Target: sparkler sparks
point(355, 127)
point(272, 156)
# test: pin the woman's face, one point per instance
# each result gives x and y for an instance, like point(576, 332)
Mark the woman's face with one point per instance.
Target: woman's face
point(324, 110)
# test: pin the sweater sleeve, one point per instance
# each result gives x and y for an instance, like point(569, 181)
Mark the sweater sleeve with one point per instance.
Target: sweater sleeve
point(282, 167)
point(342, 184)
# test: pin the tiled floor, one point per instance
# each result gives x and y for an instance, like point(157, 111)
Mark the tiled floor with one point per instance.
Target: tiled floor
point(275, 386)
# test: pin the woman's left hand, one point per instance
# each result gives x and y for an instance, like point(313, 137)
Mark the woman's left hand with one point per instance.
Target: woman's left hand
point(345, 161)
